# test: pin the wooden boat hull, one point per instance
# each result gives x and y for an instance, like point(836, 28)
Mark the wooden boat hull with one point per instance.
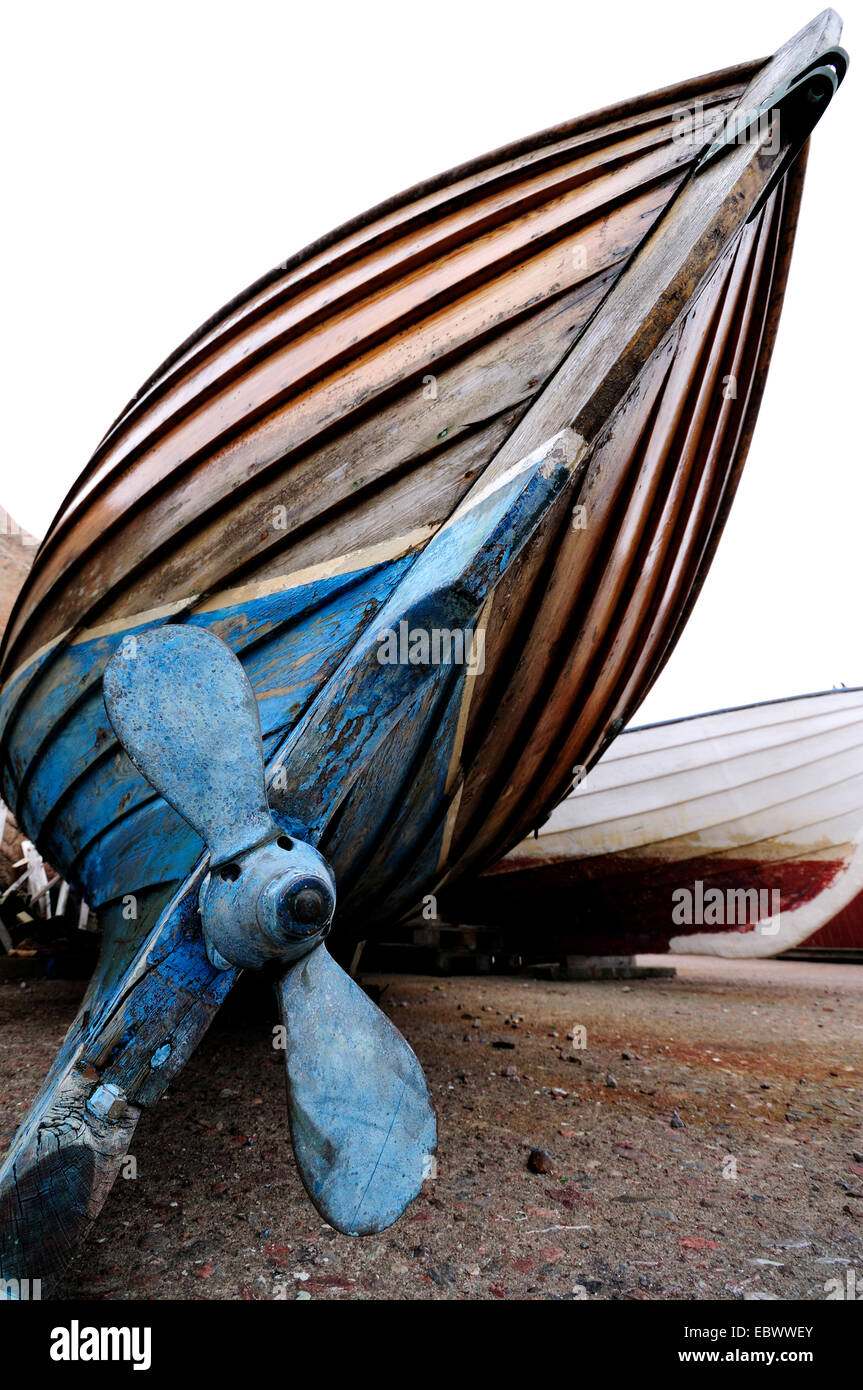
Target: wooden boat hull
point(278, 504)
point(761, 801)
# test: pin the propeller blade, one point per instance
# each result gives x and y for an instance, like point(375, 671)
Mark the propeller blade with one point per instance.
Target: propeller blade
point(362, 1122)
point(181, 704)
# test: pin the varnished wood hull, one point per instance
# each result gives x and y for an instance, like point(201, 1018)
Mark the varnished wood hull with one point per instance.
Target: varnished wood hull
point(764, 801)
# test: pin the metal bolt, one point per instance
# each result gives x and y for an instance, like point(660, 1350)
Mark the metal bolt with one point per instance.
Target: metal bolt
point(107, 1102)
point(309, 906)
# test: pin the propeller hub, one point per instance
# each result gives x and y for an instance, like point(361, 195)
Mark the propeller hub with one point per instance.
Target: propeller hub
point(295, 908)
point(274, 902)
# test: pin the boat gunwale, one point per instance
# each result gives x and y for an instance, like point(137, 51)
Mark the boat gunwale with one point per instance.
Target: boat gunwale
point(737, 709)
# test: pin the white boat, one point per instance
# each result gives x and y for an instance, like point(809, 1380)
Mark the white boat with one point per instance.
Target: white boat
point(737, 833)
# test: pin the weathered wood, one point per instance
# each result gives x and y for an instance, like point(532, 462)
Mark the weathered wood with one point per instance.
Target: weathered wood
point(63, 1160)
point(671, 267)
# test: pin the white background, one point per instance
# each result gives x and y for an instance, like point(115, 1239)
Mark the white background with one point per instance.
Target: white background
point(159, 157)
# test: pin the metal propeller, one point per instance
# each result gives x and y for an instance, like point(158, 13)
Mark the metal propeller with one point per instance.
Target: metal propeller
point(362, 1123)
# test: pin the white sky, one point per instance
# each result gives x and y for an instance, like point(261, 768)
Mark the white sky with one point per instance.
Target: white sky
point(160, 157)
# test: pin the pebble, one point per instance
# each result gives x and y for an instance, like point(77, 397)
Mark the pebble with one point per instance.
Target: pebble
point(444, 1274)
point(611, 1081)
point(676, 1122)
point(628, 1151)
point(540, 1161)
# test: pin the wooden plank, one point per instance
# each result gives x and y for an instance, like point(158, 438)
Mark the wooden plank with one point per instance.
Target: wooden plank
point(669, 270)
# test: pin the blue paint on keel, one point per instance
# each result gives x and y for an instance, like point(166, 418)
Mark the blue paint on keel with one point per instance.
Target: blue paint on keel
point(89, 809)
point(311, 653)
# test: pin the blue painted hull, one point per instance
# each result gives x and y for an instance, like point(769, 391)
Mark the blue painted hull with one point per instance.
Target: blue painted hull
point(93, 812)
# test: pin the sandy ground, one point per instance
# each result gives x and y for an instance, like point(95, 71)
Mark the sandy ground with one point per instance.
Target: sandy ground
point(753, 1192)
